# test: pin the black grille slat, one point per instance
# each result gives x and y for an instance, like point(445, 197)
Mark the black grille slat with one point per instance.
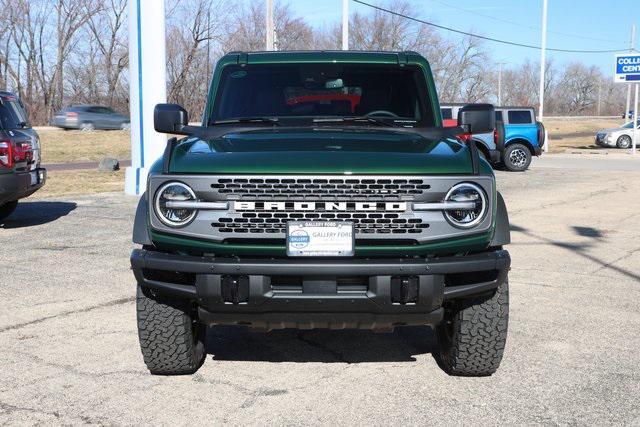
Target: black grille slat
point(379, 223)
point(335, 189)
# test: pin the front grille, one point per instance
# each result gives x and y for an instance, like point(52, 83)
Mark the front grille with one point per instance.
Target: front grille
point(260, 206)
point(276, 222)
point(320, 188)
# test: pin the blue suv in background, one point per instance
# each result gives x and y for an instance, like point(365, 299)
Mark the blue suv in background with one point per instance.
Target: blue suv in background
point(524, 138)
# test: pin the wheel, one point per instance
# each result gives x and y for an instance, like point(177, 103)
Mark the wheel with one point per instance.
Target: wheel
point(473, 334)
point(171, 339)
point(87, 127)
point(7, 209)
point(517, 157)
point(624, 141)
point(125, 126)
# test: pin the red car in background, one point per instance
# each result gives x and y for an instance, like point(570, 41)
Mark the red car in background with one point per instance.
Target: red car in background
point(450, 114)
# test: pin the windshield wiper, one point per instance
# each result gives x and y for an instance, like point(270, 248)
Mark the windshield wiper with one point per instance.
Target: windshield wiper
point(272, 120)
point(355, 119)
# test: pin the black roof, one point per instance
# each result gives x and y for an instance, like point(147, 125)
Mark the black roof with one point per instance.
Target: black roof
point(337, 51)
point(497, 107)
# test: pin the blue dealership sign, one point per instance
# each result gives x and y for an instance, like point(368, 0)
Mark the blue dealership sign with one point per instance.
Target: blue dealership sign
point(627, 68)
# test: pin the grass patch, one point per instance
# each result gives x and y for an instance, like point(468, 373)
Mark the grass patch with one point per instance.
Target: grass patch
point(72, 146)
point(79, 182)
point(570, 134)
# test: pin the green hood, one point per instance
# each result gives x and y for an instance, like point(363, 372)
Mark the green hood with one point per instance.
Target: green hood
point(321, 151)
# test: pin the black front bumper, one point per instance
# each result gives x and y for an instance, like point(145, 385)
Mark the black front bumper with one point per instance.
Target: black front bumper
point(16, 186)
point(319, 293)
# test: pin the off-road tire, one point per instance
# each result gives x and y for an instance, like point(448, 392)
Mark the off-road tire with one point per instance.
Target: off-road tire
point(624, 141)
point(7, 209)
point(516, 157)
point(472, 337)
point(171, 340)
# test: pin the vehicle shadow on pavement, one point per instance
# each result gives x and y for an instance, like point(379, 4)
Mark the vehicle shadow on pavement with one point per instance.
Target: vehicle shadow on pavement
point(30, 214)
point(234, 343)
point(597, 237)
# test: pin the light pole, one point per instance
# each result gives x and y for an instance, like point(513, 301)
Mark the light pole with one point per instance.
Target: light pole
point(632, 46)
point(345, 24)
point(500, 64)
point(635, 122)
point(269, 26)
point(543, 59)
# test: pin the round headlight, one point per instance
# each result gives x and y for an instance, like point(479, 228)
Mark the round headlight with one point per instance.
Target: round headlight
point(174, 192)
point(466, 192)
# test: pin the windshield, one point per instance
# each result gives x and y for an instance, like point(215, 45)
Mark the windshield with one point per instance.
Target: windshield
point(12, 114)
point(629, 125)
point(308, 91)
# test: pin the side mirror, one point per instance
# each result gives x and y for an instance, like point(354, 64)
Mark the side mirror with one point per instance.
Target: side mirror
point(477, 118)
point(170, 118)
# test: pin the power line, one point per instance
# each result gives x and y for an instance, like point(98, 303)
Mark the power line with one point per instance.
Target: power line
point(519, 25)
point(382, 9)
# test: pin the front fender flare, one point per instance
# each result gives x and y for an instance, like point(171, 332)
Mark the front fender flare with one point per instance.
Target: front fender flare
point(140, 225)
point(502, 233)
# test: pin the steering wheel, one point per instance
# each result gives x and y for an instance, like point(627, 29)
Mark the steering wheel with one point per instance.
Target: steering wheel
point(382, 113)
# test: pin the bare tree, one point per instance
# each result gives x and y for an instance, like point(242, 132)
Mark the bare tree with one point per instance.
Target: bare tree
point(54, 52)
point(71, 15)
point(379, 30)
point(194, 34)
point(106, 29)
point(578, 89)
point(28, 26)
point(246, 30)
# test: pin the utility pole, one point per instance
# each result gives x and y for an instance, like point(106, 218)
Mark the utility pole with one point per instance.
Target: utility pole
point(269, 27)
point(599, 97)
point(500, 64)
point(543, 59)
point(208, 43)
point(635, 123)
point(345, 24)
point(632, 46)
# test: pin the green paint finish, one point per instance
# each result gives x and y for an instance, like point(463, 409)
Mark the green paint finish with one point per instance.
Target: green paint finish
point(199, 247)
point(321, 151)
point(320, 57)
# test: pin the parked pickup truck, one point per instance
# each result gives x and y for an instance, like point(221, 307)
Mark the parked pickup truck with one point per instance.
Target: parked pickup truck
point(20, 171)
point(322, 191)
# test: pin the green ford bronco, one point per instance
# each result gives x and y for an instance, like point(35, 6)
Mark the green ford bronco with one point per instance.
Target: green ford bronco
point(322, 191)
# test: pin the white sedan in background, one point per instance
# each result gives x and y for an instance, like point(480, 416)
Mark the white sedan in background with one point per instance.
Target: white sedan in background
point(620, 137)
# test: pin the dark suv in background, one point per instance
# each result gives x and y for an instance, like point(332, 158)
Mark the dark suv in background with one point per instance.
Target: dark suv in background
point(20, 171)
point(90, 117)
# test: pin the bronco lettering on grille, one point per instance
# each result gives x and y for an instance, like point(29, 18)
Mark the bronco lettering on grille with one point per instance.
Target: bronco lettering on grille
point(321, 206)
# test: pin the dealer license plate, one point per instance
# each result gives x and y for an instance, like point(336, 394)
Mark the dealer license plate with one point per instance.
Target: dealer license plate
point(320, 238)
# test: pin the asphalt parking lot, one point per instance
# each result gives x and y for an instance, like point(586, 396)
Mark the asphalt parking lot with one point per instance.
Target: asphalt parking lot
point(69, 348)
